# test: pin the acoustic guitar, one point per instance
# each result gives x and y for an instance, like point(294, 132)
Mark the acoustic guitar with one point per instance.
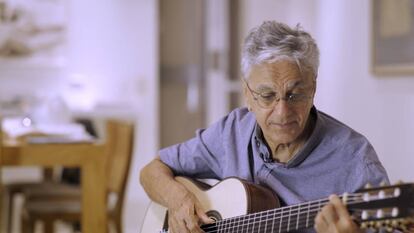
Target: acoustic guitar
point(242, 207)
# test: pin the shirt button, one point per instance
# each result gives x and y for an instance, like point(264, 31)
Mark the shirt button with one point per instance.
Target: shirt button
point(257, 143)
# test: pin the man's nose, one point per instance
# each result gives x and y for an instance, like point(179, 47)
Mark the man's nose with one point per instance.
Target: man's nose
point(281, 107)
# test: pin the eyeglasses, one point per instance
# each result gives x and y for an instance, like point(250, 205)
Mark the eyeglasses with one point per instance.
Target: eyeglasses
point(270, 99)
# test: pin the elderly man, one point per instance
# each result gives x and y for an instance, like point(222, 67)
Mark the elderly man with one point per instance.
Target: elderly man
point(280, 140)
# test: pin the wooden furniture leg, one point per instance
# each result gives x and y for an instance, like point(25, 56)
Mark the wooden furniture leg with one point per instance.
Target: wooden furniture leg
point(94, 197)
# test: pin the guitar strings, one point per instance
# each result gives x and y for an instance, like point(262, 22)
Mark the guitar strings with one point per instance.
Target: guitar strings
point(271, 226)
point(268, 224)
point(302, 225)
point(262, 218)
point(312, 209)
point(266, 228)
point(254, 228)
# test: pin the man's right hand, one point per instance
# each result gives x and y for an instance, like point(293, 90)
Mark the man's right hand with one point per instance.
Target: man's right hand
point(186, 215)
point(185, 212)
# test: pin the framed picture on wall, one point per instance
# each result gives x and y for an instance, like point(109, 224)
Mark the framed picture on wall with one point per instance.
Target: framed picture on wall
point(393, 37)
point(33, 33)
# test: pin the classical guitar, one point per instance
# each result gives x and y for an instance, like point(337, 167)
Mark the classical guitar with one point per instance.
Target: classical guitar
point(239, 206)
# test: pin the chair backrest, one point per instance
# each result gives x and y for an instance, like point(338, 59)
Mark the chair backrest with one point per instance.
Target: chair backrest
point(1, 178)
point(120, 140)
point(1, 143)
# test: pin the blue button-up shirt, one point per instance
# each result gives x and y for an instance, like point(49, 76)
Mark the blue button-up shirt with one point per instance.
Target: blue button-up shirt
point(335, 158)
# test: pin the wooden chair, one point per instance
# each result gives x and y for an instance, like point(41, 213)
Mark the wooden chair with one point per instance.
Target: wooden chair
point(55, 203)
point(2, 218)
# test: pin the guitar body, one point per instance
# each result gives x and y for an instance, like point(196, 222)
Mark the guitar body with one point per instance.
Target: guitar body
point(228, 198)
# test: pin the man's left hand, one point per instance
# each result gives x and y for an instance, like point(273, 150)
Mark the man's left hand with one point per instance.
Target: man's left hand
point(334, 218)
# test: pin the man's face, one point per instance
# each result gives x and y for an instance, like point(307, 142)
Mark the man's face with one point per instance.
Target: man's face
point(281, 120)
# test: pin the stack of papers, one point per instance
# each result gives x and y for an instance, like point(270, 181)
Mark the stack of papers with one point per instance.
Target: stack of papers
point(15, 128)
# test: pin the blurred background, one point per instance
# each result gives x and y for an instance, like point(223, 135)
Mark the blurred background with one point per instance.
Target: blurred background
point(173, 66)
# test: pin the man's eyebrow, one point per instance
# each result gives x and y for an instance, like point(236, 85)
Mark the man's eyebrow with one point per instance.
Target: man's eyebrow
point(265, 87)
point(297, 83)
point(294, 84)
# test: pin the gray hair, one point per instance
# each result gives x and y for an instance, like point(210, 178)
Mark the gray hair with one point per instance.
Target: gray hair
point(273, 41)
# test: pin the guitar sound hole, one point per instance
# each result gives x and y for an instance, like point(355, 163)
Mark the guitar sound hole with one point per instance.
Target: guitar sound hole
point(214, 215)
point(211, 214)
point(213, 226)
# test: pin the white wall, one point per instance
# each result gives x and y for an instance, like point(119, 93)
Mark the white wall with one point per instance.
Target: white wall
point(382, 108)
point(113, 55)
point(115, 44)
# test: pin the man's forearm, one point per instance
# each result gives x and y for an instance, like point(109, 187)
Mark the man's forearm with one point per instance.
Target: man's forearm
point(158, 182)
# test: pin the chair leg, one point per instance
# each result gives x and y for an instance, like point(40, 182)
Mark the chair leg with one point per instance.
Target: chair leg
point(10, 194)
point(28, 225)
point(48, 226)
point(118, 227)
point(10, 206)
point(118, 224)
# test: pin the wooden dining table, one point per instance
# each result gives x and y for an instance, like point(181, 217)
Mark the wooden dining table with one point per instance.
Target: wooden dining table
point(89, 156)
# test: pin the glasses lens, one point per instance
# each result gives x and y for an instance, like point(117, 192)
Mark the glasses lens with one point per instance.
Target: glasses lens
point(269, 100)
point(266, 101)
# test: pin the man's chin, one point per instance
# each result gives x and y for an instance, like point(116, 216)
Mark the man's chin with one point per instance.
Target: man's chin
point(285, 138)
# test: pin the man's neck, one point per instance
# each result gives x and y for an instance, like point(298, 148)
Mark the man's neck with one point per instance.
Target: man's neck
point(282, 153)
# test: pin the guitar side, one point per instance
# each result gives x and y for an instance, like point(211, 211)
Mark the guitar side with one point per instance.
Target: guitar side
point(229, 198)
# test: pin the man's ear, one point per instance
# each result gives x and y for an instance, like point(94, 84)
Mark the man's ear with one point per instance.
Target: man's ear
point(314, 87)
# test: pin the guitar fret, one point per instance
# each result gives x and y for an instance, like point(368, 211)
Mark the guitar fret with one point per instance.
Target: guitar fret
point(233, 223)
point(248, 224)
point(273, 221)
point(288, 223)
point(265, 228)
point(240, 224)
point(226, 225)
point(307, 215)
point(244, 222)
point(261, 218)
point(219, 225)
point(281, 220)
point(297, 219)
point(254, 223)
